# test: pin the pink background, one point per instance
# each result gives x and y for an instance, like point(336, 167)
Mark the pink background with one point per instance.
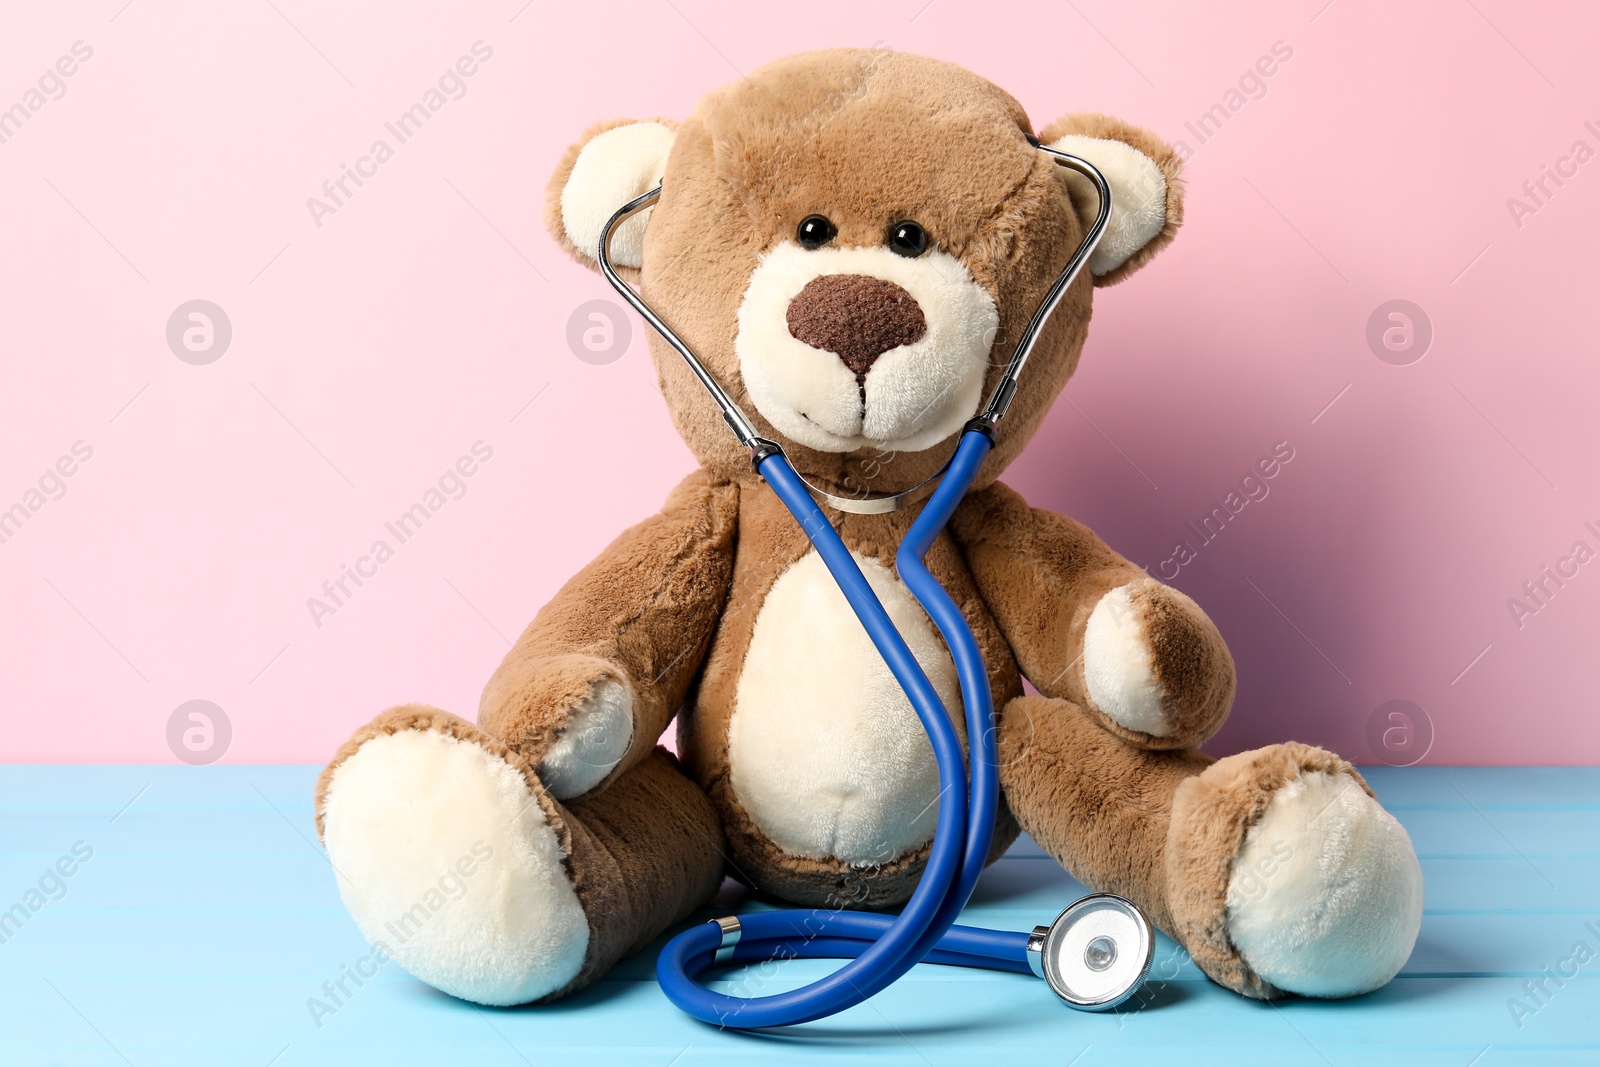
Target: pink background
point(432, 307)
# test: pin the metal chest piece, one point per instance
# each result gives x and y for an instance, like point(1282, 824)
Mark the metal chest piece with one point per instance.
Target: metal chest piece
point(1096, 954)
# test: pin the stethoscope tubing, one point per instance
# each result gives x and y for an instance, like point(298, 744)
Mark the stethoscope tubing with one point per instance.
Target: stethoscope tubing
point(880, 948)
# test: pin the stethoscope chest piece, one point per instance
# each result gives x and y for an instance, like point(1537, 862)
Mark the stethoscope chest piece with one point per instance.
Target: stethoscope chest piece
point(1096, 954)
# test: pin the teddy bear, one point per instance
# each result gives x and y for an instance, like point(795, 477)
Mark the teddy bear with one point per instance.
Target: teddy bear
point(847, 238)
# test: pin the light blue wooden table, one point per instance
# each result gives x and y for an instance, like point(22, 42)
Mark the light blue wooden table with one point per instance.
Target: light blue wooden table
point(207, 917)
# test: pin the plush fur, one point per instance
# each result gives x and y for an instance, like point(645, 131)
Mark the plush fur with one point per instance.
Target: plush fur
point(478, 851)
point(868, 793)
point(804, 772)
point(1310, 902)
point(622, 163)
point(1118, 673)
point(909, 395)
point(598, 735)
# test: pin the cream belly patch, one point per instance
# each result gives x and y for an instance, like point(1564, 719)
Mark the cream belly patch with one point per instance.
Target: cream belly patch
point(825, 752)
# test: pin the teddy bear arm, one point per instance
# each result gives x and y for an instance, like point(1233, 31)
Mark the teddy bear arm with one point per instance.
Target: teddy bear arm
point(1090, 627)
point(592, 682)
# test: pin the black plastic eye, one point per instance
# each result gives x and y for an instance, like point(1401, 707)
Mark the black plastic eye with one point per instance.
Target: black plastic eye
point(908, 239)
point(815, 231)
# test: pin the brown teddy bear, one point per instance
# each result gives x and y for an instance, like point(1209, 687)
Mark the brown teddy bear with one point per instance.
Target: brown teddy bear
point(847, 239)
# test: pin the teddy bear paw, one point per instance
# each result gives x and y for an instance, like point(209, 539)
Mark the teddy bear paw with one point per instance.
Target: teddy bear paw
point(594, 741)
point(1155, 666)
point(447, 858)
point(1325, 897)
point(1285, 875)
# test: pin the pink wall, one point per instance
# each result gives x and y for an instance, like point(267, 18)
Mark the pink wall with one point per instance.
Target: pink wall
point(371, 352)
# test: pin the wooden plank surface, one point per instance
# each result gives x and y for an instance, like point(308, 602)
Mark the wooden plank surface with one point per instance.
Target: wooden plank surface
point(208, 916)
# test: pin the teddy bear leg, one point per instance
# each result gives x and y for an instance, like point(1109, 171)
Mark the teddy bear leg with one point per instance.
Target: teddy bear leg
point(1276, 869)
point(458, 864)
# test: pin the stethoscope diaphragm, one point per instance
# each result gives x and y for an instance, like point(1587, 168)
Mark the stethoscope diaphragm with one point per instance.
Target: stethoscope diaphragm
point(1096, 954)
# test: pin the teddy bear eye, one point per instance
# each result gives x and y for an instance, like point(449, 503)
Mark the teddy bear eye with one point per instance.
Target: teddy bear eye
point(908, 239)
point(815, 231)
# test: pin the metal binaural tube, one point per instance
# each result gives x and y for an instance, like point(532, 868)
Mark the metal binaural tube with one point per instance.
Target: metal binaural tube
point(1005, 390)
point(999, 398)
point(732, 414)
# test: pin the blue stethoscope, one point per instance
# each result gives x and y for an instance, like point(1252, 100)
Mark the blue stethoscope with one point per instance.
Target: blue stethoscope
point(1098, 951)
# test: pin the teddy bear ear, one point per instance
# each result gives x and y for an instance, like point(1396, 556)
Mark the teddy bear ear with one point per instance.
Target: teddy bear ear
point(614, 162)
point(1146, 193)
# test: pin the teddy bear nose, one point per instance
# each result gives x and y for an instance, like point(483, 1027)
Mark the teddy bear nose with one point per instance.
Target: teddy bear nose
point(856, 317)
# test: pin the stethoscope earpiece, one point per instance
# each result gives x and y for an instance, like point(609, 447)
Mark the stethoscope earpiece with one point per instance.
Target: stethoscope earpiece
point(984, 422)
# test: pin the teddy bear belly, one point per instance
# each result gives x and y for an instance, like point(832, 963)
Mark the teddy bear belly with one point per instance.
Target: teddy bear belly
point(826, 754)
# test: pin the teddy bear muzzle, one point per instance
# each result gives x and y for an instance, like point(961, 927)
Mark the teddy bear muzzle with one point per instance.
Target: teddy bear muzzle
point(856, 317)
point(843, 348)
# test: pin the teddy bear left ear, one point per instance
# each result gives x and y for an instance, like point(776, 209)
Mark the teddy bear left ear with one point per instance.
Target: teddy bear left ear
point(1146, 194)
point(613, 163)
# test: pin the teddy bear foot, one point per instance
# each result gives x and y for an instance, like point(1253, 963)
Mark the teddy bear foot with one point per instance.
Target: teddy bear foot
point(1285, 875)
point(449, 856)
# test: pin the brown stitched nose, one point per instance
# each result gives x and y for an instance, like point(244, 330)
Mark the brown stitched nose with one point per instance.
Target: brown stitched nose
point(857, 317)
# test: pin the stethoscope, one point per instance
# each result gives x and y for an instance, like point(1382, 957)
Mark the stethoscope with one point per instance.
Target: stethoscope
point(1098, 951)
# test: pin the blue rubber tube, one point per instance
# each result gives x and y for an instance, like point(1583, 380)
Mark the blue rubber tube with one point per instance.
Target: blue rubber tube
point(880, 948)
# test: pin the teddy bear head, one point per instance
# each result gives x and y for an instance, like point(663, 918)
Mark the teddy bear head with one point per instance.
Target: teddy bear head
point(852, 241)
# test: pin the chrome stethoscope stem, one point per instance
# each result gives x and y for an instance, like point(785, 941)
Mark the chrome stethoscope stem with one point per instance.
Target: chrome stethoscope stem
point(1006, 389)
point(732, 414)
point(992, 412)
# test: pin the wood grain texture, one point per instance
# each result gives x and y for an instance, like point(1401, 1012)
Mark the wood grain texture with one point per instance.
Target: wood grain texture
point(207, 917)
